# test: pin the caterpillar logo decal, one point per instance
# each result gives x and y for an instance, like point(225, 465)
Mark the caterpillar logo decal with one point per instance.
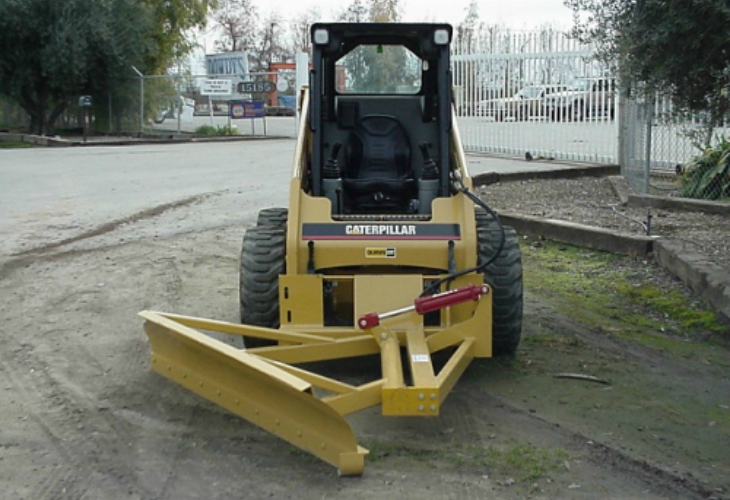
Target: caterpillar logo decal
point(380, 253)
point(380, 231)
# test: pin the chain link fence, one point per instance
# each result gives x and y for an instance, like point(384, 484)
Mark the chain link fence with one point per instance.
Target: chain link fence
point(12, 116)
point(665, 152)
point(175, 104)
point(180, 104)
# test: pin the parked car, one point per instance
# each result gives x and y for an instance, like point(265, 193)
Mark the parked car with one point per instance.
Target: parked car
point(586, 98)
point(526, 103)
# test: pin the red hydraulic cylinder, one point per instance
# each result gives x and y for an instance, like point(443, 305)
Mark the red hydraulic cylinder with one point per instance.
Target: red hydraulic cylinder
point(425, 305)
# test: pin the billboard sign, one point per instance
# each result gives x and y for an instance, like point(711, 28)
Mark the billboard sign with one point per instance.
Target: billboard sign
point(247, 109)
point(227, 64)
point(232, 66)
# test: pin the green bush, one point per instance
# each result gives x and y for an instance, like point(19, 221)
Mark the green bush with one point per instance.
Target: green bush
point(216, 131)
point(707, 176)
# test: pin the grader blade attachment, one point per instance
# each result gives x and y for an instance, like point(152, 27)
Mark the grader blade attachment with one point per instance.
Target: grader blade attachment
point(264, 394)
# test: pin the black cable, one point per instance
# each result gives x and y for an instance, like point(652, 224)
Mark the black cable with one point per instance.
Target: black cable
point(435, 286)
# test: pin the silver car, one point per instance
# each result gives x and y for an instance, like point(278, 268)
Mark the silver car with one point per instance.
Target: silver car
point(586, 98)
point(525, 104)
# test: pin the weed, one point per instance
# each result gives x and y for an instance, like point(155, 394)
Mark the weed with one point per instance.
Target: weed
point(209, 130)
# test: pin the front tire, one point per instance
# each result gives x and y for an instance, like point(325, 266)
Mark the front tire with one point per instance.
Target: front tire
point(262, 261)
point(504, 276)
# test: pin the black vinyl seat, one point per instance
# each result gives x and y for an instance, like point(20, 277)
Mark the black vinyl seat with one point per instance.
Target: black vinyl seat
point(378, 176)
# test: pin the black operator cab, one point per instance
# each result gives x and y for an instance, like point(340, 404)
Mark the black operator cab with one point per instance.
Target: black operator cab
point(380, 116)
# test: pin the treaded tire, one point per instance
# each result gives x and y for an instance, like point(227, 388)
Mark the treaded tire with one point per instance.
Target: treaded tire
point(273, 217)
point(262, 261)
point(504, 275)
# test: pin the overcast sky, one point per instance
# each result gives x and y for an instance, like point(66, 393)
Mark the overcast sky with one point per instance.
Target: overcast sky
point(518, 14)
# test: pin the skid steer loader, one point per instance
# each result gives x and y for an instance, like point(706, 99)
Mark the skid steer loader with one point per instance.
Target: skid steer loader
point(383, 251)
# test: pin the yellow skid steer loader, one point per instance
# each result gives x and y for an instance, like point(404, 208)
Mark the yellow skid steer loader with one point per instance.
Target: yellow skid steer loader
point(383, 251)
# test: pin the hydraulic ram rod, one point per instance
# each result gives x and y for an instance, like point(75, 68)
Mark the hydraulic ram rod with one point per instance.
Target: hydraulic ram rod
point(426, 305)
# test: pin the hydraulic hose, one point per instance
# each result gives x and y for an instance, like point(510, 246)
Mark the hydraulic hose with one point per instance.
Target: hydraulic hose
point(436, 285)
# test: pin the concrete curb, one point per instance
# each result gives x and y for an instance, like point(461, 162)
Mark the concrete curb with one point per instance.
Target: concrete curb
point(580, 235)
point(564, 172)
point(628, 197)
point(707, 279)
point(37, 140)
point(665, 203)
point(131, 141)
point(700, 274)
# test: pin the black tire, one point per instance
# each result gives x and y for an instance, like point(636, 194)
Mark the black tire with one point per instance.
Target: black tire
point(262, 261)
point(273, 217)
point(504, 275)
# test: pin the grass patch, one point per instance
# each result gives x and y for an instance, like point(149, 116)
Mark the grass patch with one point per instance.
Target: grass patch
point(14, 145)
point(610, 293)
point(522, 463)
point(519, 462)
point(672, 305)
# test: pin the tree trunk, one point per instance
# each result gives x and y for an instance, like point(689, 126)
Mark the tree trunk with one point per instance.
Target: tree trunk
point(60, 108)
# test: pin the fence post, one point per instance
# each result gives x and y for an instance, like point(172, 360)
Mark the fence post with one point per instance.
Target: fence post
point(649, 115)
point(141, 98)
point(302, 78)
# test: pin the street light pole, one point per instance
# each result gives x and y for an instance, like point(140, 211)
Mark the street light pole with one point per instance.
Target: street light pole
point(141, 98)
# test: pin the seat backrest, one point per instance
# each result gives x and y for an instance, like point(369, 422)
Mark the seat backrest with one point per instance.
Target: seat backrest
point(378, 147)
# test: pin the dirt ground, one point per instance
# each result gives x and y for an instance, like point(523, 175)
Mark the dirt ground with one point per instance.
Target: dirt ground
point(83, 417)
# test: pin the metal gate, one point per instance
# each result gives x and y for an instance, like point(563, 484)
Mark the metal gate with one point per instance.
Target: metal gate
point(656, 140)
point(534, 92)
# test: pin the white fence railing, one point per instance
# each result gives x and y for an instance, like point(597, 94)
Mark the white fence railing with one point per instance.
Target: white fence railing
point(545, 93)
point(539, 92)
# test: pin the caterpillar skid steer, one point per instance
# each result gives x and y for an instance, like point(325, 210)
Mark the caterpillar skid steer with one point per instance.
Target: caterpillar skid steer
point(383, 251)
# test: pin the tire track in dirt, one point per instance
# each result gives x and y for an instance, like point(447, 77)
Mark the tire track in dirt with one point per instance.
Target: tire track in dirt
point(658, 479)
point(29, 256)
point(64, 473)
point(86, 437)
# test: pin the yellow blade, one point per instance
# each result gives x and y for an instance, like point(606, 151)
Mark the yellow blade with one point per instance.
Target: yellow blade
point(263, 394)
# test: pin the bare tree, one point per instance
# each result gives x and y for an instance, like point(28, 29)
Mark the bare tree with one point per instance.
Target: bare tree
point(385, 11)
point(356, 12)
point(270, 46)
point(236, 20)
point(466, 31)
point(299, 39)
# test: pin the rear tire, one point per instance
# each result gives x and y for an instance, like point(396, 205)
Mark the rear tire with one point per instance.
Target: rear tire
point(262, 261)
point(504, 276)
point(273, 217)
